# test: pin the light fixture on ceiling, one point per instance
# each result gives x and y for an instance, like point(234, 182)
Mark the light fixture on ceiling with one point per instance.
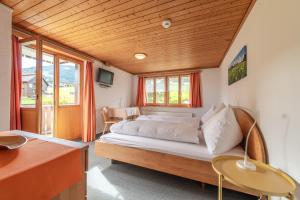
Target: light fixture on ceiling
point(140, 56)
point(166, 23)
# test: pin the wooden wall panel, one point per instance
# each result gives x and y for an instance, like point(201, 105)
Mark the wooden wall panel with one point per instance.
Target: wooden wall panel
point(29, 120)
point(68, 122)
point(113, 31)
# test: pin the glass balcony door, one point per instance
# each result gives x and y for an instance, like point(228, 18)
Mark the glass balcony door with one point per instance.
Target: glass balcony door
point(68, 97)
point(51, 91)
point(30, 93)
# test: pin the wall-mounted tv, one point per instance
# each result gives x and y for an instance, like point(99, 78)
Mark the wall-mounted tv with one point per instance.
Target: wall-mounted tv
point(105, 78)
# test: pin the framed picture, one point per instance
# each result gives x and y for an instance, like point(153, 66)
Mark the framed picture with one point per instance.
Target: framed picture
point(238, 67)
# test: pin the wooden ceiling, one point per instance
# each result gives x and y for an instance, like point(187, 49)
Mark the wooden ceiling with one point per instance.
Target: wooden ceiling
point(114, 30)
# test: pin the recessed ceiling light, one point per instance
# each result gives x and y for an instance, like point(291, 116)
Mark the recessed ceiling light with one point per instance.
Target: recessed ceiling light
point(140, 56)
point(166, 23)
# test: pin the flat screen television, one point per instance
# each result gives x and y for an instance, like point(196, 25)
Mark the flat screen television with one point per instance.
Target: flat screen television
point(105, 77)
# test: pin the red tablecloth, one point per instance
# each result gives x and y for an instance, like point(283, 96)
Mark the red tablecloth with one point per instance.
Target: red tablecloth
point(38, 170)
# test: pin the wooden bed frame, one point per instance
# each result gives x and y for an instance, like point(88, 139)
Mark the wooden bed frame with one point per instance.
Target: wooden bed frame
point(198, 170)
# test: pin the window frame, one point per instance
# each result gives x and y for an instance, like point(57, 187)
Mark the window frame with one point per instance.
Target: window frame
point(154, 90)
point(28, 106)
point(180, 89)
point(57, 70)
point(165, 86)
point(60, 56)
point(166, 100)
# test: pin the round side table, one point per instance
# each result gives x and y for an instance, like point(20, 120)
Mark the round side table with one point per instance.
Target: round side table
point(265, 180)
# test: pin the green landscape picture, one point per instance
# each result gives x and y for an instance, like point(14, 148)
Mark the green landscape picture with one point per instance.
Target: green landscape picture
point(238, 67)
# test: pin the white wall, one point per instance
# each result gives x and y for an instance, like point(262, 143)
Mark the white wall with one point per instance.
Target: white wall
point(5, 65)
point(271, 33)
point(119, 95)
point(210, 90)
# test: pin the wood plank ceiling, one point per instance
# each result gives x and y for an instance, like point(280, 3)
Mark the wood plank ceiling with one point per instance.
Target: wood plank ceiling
point(114, 30)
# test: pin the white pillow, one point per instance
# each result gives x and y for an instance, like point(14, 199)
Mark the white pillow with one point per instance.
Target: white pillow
point(222, 132)
point(219, 107)
point(211, 112)
point(193, 120)
point(208, 114)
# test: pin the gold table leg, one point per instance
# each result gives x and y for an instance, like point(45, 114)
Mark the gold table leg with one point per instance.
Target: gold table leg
point(220, 187)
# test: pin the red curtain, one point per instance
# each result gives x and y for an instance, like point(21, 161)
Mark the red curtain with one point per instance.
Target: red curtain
point(140, 98)
point(89, 107)
point(195, 90)
point(16, 86)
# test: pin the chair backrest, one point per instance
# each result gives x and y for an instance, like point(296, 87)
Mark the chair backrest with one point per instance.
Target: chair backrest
point(137, 111)
point(105, 114)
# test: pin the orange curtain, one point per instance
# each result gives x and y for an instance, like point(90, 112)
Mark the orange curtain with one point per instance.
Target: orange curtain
point(89, 107)
point(195, 90)
point(140, 98)
point(16, 86)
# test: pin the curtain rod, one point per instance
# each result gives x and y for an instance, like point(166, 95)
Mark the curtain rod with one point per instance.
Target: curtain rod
point(173, 72)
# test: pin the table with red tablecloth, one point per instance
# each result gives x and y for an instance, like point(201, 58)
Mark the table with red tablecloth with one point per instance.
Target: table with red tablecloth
point(41, 169)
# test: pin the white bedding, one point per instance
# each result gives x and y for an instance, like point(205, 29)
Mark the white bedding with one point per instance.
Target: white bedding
point(194, 151)
point(165, 130)
point(193, 120)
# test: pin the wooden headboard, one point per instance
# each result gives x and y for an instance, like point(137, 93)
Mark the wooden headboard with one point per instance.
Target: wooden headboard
point(256, 146)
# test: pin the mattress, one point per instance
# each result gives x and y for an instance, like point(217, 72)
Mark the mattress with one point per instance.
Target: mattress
point(188, 150)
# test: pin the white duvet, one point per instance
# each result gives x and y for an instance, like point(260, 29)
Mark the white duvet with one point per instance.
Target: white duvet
point(194, 120)
point(166, 130)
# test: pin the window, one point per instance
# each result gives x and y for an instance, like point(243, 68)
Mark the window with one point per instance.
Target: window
point(150, 90)
point(160, 90)
point(28, 98)
point(173, 83)
point(155, 90)
point(48, 80)
point(169, 90)
point(69, 83)
point(185, 89)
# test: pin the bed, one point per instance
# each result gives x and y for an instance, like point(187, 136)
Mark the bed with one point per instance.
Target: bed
point(181, 159)
point(187, 150)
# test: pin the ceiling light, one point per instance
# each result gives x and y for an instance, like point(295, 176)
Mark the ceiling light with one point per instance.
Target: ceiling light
point(166, 23)
point(140, 56)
